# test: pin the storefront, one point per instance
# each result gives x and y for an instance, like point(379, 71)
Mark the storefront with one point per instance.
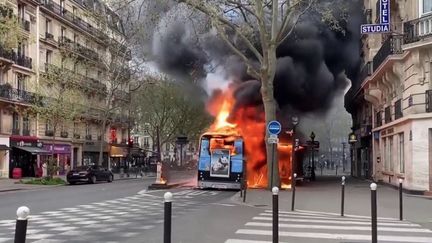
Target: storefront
point(62, 152)
point(91, 153)
point(24, 155)
point(4, 157)
point(118, 155)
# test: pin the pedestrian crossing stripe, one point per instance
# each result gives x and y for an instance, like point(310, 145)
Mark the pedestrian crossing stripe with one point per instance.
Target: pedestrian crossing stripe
point(337, 236)
point(317, 226)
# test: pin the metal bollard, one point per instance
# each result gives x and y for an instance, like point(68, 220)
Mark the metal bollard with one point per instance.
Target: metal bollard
point(21, 224)
point(293, 191)
point(167, 217)
point(275, 192)
point(343, 196)
point(373, 188)
point(400, 200)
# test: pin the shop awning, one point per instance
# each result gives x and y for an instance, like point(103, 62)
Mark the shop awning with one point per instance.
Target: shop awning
point(33, 150)
point(4, 147)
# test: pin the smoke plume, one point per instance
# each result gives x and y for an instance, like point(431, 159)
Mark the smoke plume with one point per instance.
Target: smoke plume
point(312, 67)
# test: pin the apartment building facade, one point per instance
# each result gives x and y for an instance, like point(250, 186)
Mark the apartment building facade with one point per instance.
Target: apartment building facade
point(391, 103)
point(50, 29)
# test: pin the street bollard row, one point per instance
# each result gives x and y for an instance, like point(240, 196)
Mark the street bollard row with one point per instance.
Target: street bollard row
point(373, 188)
point(21, 224)
point(293, 191)
point(343, 196)
point(275, 191)
point(167, 216)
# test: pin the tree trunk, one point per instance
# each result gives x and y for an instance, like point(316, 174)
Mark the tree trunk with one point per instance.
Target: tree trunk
point(271, 149)
point(101, 147)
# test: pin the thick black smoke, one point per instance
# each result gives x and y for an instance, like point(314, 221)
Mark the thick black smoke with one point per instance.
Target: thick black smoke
point(311, 68)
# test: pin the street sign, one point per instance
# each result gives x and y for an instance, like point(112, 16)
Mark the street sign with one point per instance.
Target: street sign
point(273, 139)
point(274, 127)
point(384, 20)
point(314, 144)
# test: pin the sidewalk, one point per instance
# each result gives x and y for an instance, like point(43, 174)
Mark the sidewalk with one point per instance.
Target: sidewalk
point(324, 195)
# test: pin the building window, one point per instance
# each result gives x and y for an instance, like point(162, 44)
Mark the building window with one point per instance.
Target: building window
point(388, 117)
point(15, 123)
point(63, 32)
point(62, 7)
point(87, 130)
point(146, 142)
point(427, 6)
point(398, 109)
point(378, 120)
point(48, 126)
point(48, 56)
point(390, 153)
point(48, 26)
point(401, 153)
point(26, 126)
point(21, 81)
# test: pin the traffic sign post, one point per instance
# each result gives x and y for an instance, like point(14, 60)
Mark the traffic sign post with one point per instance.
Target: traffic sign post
point(273, 129)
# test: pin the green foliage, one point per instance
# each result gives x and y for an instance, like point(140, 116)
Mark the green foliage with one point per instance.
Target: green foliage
point(9, 27)
point(170, 108)
point(44, 181)
point(52, 167)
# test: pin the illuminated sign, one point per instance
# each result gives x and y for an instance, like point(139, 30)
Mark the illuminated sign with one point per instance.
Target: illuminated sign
point(384, 25)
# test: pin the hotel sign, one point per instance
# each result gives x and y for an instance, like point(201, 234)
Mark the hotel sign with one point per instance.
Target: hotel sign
point(384, 25)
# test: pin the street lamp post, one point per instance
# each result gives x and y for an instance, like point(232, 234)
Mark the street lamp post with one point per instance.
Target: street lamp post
point(343, 156)
point(295, 122)
point(352, 140)
point(312, 136)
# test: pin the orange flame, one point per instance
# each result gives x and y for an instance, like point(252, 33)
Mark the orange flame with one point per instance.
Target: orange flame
point(249, 123)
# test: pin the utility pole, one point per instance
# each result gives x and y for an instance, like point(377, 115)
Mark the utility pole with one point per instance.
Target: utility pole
point(343, 156)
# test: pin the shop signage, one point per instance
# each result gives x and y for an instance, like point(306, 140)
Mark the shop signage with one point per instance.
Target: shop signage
point(25, 143)
point(58, 148)
point(384, 25)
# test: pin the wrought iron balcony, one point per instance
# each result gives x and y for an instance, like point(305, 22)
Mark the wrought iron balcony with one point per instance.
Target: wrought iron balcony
point(25, 24)
point(391, 46)
point(15, 131)
point(26, 132)
point(76, 136)
point(8, 54)
point(49, 133)
point(64, 134)
point(17, 95)
point(49, 36)
point(24, 61)
point(87, 52)
point(417, 29)
point(88, 137)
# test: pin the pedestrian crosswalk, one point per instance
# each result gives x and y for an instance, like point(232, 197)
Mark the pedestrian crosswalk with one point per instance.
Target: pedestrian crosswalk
point(106, 221)
point(311, 227)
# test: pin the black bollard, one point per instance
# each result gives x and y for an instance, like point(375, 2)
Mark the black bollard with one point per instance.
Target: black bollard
point(343, 196)
point(275, 192)
point(373, 187)
point(400, 200)
point(293, 191)
point(21, 224)
point(167, 217)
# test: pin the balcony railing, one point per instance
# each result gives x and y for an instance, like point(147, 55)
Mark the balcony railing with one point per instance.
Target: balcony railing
point(393, 45)
point(428, 100)
point(49, 133)
point(25, 24)
point(26, 132)
point(76, 136)
point(7, 53)
point(12, 94)
point(49, 36)
point(64, 134)
point(11, 55)
point(88, 137)
point(15, 131)
point(57, 9)
point(417, 29)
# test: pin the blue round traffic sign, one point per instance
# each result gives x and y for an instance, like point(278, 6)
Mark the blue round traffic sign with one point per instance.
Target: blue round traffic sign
point(274, 127)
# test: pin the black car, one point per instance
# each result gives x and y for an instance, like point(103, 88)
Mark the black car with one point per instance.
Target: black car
point(89, 174)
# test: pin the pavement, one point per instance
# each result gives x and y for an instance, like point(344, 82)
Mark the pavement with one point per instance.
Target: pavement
point(125, 211)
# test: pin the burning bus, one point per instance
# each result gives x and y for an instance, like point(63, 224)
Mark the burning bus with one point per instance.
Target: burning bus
point(233, 149)
point(221, 161)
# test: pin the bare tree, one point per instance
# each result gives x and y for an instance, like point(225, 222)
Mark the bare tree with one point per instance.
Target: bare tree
point(243, 24)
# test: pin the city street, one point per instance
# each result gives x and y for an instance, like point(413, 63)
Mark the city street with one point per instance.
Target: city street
point(124, 211)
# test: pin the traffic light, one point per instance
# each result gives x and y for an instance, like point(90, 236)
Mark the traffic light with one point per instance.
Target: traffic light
point(130, 142)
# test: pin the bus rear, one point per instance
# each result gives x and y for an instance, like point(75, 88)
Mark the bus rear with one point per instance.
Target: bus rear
point(221, 161)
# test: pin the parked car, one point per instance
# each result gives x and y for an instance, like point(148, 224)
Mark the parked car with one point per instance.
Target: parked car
point(89, 174)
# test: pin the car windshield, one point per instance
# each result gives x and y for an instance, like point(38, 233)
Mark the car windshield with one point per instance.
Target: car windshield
point(83, 168)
